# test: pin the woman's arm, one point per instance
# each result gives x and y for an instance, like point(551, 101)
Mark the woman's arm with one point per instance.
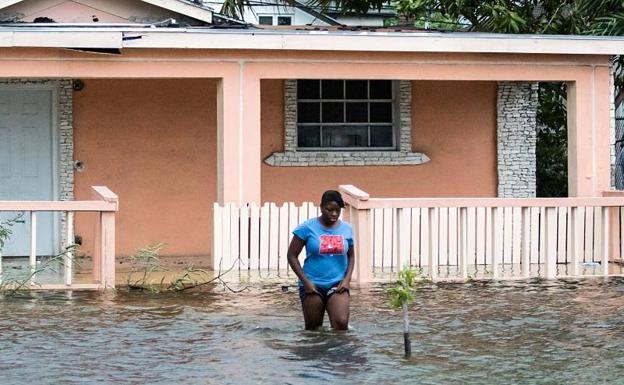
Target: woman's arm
point(346, 281)
point(296, 245)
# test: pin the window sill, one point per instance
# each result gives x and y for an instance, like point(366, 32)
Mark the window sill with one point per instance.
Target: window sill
point(345, 158)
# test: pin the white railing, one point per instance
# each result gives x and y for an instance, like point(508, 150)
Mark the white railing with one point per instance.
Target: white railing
point(462, 238)
point(105, 203)
point(256, 238)
point(448, 238)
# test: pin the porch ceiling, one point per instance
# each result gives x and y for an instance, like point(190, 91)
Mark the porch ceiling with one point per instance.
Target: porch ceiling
point(76, 36)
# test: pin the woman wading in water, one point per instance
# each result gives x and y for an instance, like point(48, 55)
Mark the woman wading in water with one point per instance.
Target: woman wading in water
point(326, 274)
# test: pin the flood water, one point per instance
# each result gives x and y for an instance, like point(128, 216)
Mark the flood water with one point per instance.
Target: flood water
point(563, 332)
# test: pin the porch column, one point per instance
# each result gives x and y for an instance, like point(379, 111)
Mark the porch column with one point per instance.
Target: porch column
point(588, 107)
point(238, 137)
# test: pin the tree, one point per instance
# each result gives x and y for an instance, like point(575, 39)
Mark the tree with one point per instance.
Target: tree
point(401, 295)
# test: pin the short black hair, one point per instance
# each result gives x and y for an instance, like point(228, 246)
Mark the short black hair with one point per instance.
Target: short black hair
point(332, 196)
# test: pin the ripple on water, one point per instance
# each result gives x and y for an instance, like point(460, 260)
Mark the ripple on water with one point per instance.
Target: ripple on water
point(481, 332)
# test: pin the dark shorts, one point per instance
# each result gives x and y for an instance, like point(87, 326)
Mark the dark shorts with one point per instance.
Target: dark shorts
point(323, 293)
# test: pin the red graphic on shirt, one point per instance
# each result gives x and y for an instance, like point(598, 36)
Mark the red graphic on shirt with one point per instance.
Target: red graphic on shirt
point(332, 244)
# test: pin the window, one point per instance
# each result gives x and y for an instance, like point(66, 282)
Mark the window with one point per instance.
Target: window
point(277, 20)
point(265, 20)
point(345, 114)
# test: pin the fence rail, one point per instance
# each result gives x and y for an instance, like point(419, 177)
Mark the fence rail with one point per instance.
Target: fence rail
point(105, 203)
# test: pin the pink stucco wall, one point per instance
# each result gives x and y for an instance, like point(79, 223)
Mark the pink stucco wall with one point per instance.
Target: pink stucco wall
point(454, 123)
point(153, 142)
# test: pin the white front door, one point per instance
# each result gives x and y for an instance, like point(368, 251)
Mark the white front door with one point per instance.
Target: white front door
point(26, 165)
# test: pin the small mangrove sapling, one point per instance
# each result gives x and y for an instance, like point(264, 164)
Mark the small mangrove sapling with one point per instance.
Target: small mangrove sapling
point(401, 295)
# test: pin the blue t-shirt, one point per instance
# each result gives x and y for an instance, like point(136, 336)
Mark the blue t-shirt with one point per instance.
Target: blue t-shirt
point(326, 251)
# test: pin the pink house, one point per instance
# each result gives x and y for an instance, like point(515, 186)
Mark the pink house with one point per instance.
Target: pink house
point(175, 116)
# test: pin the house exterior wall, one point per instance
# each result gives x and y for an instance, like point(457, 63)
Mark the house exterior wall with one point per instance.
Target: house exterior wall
point(454, 123)
point(152, 142)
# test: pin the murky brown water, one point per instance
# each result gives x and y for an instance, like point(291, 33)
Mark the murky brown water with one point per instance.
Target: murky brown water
point(565, 332)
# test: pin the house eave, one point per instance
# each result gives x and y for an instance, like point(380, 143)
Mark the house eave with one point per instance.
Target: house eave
point(304, 40)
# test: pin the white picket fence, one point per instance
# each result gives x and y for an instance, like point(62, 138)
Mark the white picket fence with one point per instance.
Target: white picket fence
point(407, 236)
point(255, 237)
point(448, 238)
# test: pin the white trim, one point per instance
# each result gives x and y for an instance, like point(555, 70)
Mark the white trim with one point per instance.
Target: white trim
point(253, 39)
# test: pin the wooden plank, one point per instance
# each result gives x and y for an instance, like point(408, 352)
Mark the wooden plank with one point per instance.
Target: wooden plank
point(568, 235)
point(507, 234)
point(58, 206)
point(378, 234)
point(463, 242)
point(497, 241)
point(550, 253)
point(516, 235)
point(234, 237)
point(621, 232)
point(562, 214)
point(244, 238)
point(282, 261)
point(254, 237)
point(217, 239)
point(598, 234)
point(264, 237)
point(434, 234)
point(395, 241)
point(588, 252)
point(489, 236)
point(293, 222)
point(415, 237)
point(107, 238)
point(542, 235)
point(443, 240)
point(471, 234)
point(68, 258)
point(425, 237)
point(224, 262)
point(453, 236)
point(32, 261)
point(363, 269)
point(604, 214)
point(387, 240)
point(534, 238)
point(404, 225)
point(577, 221)
point(303, 212)
point(313, 211)
point(481, 231)
point(273, 236)
point(525, 236)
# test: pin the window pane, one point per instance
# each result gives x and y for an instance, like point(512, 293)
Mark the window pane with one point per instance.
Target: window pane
point(381, 89)
point(381, 136)
point(357, 112)
point(332, 89)
point(333, 112)
point(284, 20)
point(308, 112)
point(345, 136)
point(309, 136)
point(265, 20)
point(308, 89)
point(381, 112)
point(357, 89)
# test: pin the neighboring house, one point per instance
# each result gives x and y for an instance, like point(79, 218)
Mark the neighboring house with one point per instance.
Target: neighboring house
point(173, 119)
point(281, 13)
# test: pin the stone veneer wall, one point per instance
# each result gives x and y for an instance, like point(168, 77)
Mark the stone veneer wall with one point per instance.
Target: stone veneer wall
point(516, 139)
point(65, 134)
point(292, 157)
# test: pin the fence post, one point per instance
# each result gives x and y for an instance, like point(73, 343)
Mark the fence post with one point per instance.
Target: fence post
point(360, 221)
point(104, 258)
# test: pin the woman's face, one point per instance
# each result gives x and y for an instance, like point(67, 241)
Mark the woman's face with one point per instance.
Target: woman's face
point(330, 212)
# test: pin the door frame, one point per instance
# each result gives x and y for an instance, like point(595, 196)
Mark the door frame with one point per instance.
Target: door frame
point(52, 86)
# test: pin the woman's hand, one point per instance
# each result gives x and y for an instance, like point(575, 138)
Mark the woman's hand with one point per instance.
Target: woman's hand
point(309, 288)
point(343, 285)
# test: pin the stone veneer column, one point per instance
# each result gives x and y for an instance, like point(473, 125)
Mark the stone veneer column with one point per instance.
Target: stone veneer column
point(516, 139)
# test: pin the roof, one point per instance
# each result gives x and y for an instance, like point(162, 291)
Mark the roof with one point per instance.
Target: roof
point(184, 7)
point(304, 39)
